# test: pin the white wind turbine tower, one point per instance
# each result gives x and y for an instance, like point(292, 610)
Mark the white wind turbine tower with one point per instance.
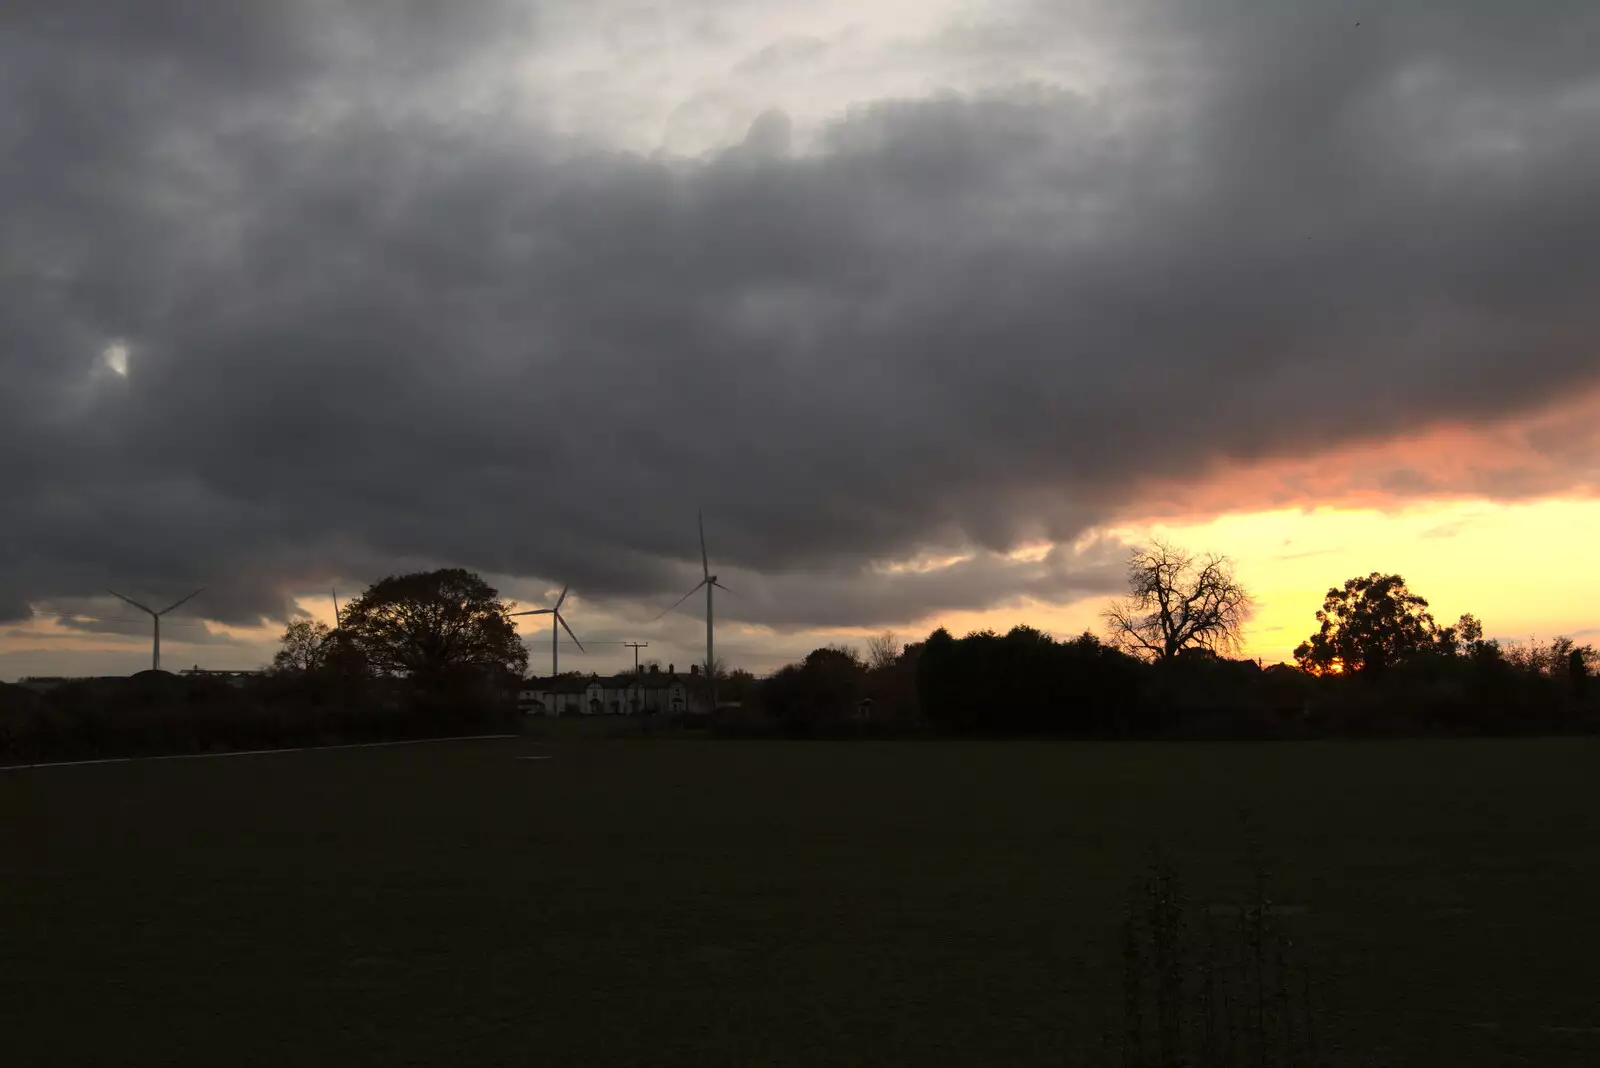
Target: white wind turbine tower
point(710, 582)
point(155, 649)
point(556, 627)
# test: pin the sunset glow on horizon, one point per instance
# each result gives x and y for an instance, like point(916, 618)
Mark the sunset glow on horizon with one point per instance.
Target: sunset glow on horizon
point(1468, 556)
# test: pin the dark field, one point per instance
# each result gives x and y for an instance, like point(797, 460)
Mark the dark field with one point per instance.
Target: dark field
point(703, 903)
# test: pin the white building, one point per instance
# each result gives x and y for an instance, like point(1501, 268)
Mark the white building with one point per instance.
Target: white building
point(647, 693)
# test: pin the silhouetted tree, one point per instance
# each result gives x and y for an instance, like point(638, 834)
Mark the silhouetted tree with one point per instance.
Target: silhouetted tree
point(344, 656)
point(431, 624)
point(883, 651)
point(892, 678)
point(1178, 601)
point(936, 679)
point(1552, 659)
point(1368, 626)
point(825, 687)
point(306, 644)
point(1026, 682)
point(737, 685)
point(832, 679)
point(1462, 638)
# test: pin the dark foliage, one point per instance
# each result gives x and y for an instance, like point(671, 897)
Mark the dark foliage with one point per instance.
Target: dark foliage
point(1026, 683)
point(1371, 624)
point(155, 713)
point(825, 689)
point(434, 625)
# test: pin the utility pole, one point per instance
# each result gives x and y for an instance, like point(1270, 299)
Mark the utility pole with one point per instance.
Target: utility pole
point(638, 680)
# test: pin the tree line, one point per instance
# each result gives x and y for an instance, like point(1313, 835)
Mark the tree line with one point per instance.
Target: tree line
point(435, 653)
point(1378, 663)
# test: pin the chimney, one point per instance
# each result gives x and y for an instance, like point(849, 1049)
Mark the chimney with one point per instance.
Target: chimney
point(672, 669)
point(694, 670)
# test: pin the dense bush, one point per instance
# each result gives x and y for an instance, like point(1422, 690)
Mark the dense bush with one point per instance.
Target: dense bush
point(1026, 682)
point(156, 713)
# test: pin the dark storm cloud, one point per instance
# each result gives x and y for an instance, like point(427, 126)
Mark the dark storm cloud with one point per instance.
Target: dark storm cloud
point(865, 596)
point(378, 317)
point(173, 630)
point(874, 599)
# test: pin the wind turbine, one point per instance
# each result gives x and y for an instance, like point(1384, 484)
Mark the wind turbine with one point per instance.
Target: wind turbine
point(710, 582)
point(155, 649)
point(555, 630)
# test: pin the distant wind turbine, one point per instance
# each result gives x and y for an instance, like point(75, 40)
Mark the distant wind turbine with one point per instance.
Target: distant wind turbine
point(710, 582)
point(556, 628)
point(155, 649)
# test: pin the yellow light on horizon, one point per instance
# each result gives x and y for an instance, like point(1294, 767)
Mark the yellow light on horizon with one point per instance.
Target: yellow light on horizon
point(1475, 556)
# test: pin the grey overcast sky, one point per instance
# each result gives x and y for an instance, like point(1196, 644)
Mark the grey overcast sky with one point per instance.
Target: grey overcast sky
point(300, 293)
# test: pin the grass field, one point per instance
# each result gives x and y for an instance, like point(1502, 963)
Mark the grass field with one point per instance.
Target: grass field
point(705, 903)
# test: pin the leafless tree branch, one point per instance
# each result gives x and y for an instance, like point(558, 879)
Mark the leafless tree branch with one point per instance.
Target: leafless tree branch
point(1178, 601)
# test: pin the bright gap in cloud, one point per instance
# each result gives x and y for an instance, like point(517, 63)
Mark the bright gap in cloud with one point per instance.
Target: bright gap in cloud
point(115, 355)
point(1030, 554)
point(692, 81)
point(921, 565)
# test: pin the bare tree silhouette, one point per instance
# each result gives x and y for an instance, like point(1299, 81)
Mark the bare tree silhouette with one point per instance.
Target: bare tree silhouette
point(883, 650)
point(1178, 601)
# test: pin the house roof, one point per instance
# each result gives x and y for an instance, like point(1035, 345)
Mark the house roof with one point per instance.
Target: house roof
point(581, 683)
point(656, 682)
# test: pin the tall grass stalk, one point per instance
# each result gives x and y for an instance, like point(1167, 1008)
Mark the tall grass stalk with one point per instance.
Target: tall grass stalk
point(1198, 994)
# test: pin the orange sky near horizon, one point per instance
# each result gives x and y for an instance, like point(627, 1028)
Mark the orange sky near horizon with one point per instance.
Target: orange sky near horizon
point(1519, 567)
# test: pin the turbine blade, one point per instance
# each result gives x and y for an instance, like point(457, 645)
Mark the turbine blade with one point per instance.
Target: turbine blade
point(535, 612)
point(130, 600)
point(176, 603)
point(571, 635)
point(684, 598)
point(705, 561)
point(718, 584)
point(563, 596)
